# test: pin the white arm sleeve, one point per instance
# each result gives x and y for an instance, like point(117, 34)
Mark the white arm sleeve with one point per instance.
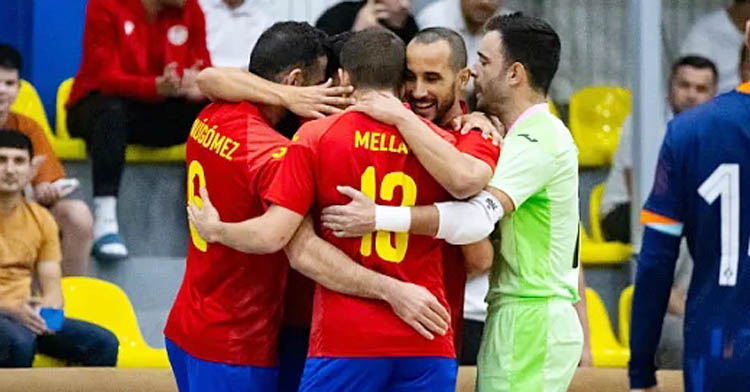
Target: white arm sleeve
point(466, 222)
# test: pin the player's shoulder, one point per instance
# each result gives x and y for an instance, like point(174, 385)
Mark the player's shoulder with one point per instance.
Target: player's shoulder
point(544, 131)
point(24, 123)
point(726, 110)
point(41, 214)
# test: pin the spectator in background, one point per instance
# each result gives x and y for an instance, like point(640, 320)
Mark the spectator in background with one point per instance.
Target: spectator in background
point(233, 27)
point(717, 36)
point(360, 15)
point(745, 64)
point(73, 216)
point(29, 246)
point(466, 17)
point(692, 82)
point(136, 85)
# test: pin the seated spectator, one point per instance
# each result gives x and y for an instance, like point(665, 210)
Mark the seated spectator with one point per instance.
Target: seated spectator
point(360, 15)
point(72, 215)
point(692, 82)
point(29, 247)
point(717, 36)
point(745, 64)
point(136, 84)
point(466, 17)
point(233, 27)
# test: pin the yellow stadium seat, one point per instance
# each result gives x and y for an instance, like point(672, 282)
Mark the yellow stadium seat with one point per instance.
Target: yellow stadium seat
point(30, 105)
point(594, 250)
point(605, 349)
point(106, 305)
point(603, 253)
point(65, 146)
point(76, 148)
point(596, 117)
point(595, 203)
point(626, 306)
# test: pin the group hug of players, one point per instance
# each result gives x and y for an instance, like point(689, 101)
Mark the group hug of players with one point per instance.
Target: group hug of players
point(333, 203)
point(381, 210)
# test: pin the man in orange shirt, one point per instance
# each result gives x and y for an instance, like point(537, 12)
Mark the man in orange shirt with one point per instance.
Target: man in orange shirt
point(73, 216)
point(29, 247)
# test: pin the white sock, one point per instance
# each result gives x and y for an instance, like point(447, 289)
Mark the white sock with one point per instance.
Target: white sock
point(105, 216)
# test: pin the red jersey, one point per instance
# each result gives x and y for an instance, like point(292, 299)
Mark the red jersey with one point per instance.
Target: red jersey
point(230, 305)
point(352, 149)
point(124, 52)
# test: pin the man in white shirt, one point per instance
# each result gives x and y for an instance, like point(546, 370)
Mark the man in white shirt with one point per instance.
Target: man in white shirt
point(718, 37)
point(232, 27)
point(466, 17)
point(693, 81)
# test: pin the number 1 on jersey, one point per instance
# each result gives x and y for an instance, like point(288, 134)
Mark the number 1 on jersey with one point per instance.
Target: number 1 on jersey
point(724, 183)
point(383, 247)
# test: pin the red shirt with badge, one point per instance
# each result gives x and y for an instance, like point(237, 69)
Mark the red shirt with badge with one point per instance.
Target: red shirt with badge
point(353, 149)
point(229, 308)
point(124, 51)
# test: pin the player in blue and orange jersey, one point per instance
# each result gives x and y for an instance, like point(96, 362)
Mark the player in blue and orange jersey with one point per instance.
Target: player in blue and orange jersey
point(348, 332)
point(702, 175)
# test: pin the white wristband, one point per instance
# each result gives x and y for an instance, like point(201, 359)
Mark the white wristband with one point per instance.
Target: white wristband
point(395, 219)
point(466, 222)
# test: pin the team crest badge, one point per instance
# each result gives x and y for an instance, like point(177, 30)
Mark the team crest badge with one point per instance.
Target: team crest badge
point(177, 35)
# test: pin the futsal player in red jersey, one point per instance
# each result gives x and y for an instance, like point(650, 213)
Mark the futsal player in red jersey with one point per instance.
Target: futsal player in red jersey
point(223, 329)
point(351, 149)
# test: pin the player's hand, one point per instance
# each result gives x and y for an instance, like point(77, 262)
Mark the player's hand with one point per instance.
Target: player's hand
point(206, 220)
point(416, 306)
point(28, 315)
point(393, 17)
point(490, 126)
point(382, 107)
point(46, 194)
point(317, 101)
point(168, 84)
point(189, 83)
point(351, 220)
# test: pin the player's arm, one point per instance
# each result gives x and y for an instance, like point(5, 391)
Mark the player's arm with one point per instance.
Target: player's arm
point(268, 233)
point(523, 169)
point(235, 85)
point(330, 267)
point(660, 247)
point(478, 257)
point(461, 174)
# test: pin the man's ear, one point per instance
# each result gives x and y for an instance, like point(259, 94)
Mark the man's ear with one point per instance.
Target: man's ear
point(294, 78)
point(463, 76)
point(36, 164)
point(517, 74)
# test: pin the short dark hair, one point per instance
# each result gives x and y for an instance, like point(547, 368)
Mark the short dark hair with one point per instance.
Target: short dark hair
point(10, 58)
point(284, 46)
point(532, 42)
point(10, 138)
point(454, 40)
point(334, 44)
point(695, 61)
point(374, 58)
